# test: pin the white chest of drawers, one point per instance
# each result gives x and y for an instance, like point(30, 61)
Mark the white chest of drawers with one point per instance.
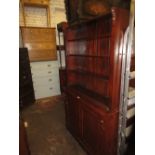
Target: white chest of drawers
point(45, 76)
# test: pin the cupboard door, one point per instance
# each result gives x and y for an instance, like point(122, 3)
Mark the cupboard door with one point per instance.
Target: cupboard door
point(73, 116)
point(93, 132)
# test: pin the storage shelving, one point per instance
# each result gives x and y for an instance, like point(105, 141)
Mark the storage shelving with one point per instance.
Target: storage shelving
point(94, 66)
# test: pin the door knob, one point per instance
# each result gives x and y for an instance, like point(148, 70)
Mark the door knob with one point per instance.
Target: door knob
point(101, 121)
point(78, 97)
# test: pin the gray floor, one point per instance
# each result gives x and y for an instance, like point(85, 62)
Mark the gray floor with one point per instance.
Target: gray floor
point(46, 131)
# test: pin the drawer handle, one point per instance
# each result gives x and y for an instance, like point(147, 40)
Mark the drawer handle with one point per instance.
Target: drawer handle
point(51, 88)
point(78, 97)
point(49, 65)
point(49, 72)
point(50, 79)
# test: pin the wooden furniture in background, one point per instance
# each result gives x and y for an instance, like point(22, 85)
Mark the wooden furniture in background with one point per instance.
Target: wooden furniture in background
point(41, 43)
point(93, 62)
point(26, 91)
point(23, 143)
point(83, 10)
point(63, 79)
point(37, 3)
point(62, 70)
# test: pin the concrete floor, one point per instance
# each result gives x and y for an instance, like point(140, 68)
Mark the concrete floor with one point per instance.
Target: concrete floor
point(46, 131)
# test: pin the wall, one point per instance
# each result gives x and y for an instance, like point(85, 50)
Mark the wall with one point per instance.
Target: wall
point(37, 17)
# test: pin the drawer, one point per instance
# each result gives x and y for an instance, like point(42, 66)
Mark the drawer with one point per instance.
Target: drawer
point(43, 65)
point(40, 46)
point(41, 81)
point(42, 55)
point(45, 73)
point(33, 34)
point(46, 91)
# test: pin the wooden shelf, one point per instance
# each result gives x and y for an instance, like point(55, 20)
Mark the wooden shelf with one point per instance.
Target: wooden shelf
point(87, 73)
point(89, 38)
point(86, 55)
point(97, 98)
point(94, 68)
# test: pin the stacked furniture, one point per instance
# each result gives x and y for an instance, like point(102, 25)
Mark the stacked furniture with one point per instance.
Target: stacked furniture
point(41, 43)
point(26, 91)
point(93, 62)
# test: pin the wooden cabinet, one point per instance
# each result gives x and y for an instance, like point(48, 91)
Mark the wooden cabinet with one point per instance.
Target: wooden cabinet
point(63, 80)
point(93, 67)
point(26, 91)
point(93, 131)
point(88, 123)
point(41, 43)
point(73, 115)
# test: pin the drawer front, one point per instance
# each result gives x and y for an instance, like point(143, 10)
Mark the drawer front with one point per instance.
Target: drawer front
point(41, 43)
point(46, 91)
point(42, 55)
point(40, 46)
point(43, 65)
point(42, 81)
point(38, 35)
point(45, 73)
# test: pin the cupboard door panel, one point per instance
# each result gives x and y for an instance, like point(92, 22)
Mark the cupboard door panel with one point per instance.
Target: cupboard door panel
point(93, 132)
point(73, 115)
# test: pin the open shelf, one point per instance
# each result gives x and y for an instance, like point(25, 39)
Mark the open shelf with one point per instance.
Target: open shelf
point(87, 73)
point(86, 55)
point(89, 38)
point(97, 98)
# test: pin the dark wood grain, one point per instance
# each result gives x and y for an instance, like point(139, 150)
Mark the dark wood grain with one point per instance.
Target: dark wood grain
point(26, 91)
point(93, 66)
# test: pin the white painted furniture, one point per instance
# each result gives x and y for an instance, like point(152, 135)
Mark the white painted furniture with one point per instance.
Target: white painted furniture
point(45, 76)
